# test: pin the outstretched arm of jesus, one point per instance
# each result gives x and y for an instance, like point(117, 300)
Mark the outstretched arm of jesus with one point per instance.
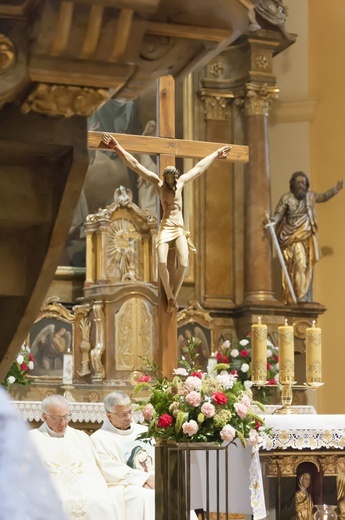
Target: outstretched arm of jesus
point(205, 163)
point(131, 161)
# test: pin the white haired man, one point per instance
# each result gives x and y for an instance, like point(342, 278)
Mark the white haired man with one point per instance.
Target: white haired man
point(72, 462)
point(127, 463)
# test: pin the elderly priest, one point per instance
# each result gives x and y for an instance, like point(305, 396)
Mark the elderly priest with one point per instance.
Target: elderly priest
point(71, 460)
point(127, 463)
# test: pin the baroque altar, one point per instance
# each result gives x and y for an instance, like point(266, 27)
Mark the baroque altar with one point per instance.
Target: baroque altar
point(300, 444)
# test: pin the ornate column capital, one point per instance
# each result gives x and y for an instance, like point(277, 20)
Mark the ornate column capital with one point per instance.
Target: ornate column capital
point(257, 98)
point(216, 104)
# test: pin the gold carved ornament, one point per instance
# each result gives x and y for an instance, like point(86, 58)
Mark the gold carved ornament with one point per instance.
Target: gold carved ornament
point(64, 100)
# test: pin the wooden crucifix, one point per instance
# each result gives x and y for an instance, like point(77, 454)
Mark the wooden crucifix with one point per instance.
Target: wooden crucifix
point(168, 148)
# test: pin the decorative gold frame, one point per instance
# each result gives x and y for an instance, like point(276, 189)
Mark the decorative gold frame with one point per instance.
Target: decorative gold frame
point(51, 313)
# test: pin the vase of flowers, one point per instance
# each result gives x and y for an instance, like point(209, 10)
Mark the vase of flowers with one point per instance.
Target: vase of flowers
point(17, 374)
point(239, 357)
point(194, 411)
point(197, 406)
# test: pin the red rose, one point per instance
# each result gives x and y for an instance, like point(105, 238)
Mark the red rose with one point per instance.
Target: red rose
point(244, 353)
point(268, 366)
point(165, 421)
point(144, 379)
point(234, 373)
point(219, 398)
point(31, 357)
point(24, 367)
point(272, 381)
point(257, 425)
point(219, 356)
point(276, 358)
point(197, 374)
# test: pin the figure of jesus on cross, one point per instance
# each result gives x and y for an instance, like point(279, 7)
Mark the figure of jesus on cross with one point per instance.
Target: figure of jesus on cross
point(172, 232)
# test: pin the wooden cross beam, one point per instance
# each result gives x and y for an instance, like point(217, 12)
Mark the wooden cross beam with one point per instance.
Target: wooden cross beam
point(167, 148)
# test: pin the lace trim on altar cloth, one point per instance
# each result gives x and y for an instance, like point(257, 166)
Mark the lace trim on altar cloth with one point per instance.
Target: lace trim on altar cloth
point(81, 412)
point(257, 497)
point(303, 438)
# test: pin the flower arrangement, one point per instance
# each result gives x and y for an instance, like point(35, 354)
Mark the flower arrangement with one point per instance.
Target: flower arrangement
point(239, 359)
point(20, 367)
point(196, 406)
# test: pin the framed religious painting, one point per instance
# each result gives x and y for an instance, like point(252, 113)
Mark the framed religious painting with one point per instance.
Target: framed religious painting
point(50, 337)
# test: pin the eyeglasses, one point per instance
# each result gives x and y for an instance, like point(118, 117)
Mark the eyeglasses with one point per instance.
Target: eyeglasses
point(122, 415)
point(61, 418)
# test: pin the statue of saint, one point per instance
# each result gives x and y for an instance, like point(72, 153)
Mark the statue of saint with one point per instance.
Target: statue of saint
point(172, 232)
point(296, 230)
point(303, 500)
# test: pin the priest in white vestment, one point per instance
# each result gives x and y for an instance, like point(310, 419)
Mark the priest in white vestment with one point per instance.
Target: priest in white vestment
point(71, 460)
point(127, 463)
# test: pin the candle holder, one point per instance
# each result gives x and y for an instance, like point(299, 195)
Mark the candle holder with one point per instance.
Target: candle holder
point(286, 398)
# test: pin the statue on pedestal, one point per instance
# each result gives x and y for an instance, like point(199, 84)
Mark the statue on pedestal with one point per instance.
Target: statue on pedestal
point(296, 230)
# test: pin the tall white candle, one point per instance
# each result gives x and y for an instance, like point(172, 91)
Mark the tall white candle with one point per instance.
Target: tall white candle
point(313, 354)
point(259, 352)
point(286, 353)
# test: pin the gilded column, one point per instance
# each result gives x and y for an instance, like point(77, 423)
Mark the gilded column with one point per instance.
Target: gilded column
point(217, 285)
point(102, 251)
point(257, 248)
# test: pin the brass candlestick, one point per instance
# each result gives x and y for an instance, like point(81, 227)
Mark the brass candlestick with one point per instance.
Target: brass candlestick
point(286, 399)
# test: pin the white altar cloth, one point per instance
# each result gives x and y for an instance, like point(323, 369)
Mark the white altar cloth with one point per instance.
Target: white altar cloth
point(245, 486)
point(304, 431)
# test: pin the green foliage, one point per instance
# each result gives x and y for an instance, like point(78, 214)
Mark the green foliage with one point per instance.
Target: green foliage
point(20, 368)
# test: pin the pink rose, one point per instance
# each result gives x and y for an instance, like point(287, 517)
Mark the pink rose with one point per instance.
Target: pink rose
point(208, 410)
point(193, 398)
point(228, 433)
point(164, 421)
point(272, 381)
point(246, 400)
point(180, 372)
point(241, 409)
point(190, 428)
point(253, 438)
point(144, 379)
point(24, 367)
point(193, 383)
point(148, 412)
